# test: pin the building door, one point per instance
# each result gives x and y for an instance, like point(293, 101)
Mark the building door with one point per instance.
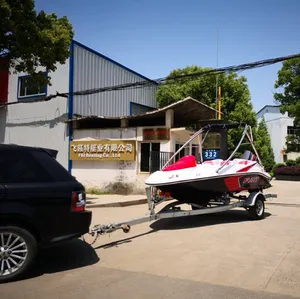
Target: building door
point(150, 156)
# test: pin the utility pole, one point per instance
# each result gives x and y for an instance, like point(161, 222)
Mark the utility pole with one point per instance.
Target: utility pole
point(219, 103)
point(217, 74)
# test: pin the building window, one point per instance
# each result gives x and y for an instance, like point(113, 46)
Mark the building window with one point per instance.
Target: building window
point(212, 141)
point(293, 139)
point(293, 130)
point(146, 149)
point(28, 89)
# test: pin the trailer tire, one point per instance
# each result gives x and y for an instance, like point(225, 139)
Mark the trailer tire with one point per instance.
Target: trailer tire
point(257, 211)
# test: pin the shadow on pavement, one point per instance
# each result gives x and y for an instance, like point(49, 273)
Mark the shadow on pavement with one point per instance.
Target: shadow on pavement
point(235, 216)
point(227, 217)
point(123, 241)
point(70, 255)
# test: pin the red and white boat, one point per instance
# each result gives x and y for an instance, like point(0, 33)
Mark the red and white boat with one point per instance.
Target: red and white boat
point(208, 186)
point(198, 182)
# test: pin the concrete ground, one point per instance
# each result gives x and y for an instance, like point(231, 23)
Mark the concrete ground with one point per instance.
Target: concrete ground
point(211, 256)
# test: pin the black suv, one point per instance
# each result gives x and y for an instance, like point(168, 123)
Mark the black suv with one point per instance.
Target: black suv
point(41, 204)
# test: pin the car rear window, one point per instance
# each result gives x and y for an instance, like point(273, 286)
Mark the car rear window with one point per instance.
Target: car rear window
point(20, 167)
point(30, 167)
point(50, 165)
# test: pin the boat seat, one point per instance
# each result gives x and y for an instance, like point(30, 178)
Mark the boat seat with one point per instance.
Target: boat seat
point(247, 155)
point(187, 161)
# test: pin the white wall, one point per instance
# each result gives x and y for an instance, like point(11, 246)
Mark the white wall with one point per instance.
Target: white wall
point(102, 174)
point(38, 124)
point(277, 124)
point(293, 155)
point(270, 113)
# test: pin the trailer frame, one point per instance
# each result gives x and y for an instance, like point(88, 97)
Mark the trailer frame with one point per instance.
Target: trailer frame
point(253, 203)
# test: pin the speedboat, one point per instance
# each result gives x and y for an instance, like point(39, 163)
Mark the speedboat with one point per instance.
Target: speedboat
point(197, 182)
point(208, 186)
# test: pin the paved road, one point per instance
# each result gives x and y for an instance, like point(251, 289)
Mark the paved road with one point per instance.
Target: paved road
point(213, 256)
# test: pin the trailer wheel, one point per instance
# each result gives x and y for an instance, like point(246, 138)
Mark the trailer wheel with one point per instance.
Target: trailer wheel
point(257, 212)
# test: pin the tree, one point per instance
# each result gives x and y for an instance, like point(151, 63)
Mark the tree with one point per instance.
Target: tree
point(236, 104)
point(236, 101)
point(30, 40)
point(289, 82)
point(263, 145)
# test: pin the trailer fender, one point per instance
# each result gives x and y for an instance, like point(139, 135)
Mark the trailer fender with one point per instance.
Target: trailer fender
point(250, 202)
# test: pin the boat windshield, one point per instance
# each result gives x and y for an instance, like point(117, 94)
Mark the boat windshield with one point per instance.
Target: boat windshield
point(213, 139)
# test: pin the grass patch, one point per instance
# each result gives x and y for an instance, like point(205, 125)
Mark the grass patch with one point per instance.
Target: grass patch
point(96, 191)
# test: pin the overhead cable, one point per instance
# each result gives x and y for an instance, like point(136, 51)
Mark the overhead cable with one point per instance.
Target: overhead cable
point(160, 81)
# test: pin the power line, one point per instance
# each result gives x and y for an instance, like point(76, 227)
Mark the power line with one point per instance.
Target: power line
point(241, 67)
point(160, 81)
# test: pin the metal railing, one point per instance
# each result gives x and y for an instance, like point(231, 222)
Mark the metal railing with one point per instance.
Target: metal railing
point(158, 160)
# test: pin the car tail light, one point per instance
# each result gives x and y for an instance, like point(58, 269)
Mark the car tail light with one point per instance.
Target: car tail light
point(78, 201)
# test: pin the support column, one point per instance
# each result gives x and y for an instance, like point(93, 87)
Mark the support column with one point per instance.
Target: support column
point(169, 123)
point(124, 123)
point(169, 118)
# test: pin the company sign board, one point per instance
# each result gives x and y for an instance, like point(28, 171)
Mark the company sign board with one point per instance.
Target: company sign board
point(103, 150)
point(156, 134)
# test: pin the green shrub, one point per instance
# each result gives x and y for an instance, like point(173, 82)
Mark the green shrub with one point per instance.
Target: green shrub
point(95, 191)
point(290, 163)
point(278, 165)
point(298, 161)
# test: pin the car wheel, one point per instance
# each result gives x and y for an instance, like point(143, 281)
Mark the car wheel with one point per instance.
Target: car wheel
point(18, 248)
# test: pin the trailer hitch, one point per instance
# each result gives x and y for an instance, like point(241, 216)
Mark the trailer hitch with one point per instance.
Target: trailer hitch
point(99, 229)
point(109, 228)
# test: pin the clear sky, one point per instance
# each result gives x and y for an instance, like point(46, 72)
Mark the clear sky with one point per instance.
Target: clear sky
point(154, 37)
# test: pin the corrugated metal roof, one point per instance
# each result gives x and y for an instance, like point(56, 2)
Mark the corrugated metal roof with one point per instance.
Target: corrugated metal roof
point(112, 61)
point(94, 70)
point(186, 112)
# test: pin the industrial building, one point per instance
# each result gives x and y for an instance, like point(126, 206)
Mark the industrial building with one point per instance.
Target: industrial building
point(108, 140)
point(44, 123)
point(114, 153)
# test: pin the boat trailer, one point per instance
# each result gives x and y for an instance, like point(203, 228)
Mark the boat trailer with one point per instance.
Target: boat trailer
point(254, 203)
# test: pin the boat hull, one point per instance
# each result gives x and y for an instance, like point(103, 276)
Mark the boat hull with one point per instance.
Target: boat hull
point(201, 191)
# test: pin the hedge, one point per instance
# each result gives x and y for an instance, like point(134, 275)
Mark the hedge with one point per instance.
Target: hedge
point(291, 163)
point(287, 170)
point(277, 166)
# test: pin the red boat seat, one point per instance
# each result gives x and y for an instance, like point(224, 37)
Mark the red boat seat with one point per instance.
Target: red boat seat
point(184, 162)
